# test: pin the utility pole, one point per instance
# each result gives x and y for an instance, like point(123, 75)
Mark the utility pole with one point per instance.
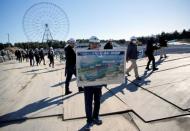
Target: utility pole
point(8, 38)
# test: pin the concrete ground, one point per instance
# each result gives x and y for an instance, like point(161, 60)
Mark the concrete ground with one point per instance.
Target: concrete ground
point(32, 99)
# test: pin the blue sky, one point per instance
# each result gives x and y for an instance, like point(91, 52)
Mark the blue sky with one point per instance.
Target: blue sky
point(116, 19)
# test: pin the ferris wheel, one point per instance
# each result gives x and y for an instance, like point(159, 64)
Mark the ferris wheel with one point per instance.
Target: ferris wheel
point(44, 22)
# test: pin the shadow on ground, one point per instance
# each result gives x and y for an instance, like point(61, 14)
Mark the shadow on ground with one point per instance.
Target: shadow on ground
point(61, 83)
point(128, 85)
point(34, 70)
point(21, 115)
point(16, 68)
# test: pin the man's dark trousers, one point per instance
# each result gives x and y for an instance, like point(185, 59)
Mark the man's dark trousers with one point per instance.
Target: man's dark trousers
point(70, 71)
point(151, 58)
point(91, 93)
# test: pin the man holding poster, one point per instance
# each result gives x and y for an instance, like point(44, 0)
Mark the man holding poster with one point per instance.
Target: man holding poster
point(96, 68)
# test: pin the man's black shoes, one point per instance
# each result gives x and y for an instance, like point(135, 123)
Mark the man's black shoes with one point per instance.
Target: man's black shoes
point(68, 92)
point(97, 121)
point(147, 68)
point(154, 69)
point(81, 89)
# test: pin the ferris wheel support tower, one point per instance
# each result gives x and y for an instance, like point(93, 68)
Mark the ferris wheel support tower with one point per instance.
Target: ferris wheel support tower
point(47, 36)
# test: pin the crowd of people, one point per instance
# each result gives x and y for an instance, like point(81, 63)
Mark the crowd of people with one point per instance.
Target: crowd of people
point(6, 55)
point(35, 56)
point(92, 94)
point(152, 44)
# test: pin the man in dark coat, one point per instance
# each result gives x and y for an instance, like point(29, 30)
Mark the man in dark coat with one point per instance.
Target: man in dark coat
point(51, 57)
point(70, 68)
point(42, 56)
point(37, 56)
point(16, 54)
point(132, 55)
point(19, 55)
point(150, 53)
point(31, 57)
point(108, 45)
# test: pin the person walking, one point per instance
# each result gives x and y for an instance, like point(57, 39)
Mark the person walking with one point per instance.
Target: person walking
point(93, 93)
point(19, 56)
point(27, 54)
point(70, 68)
point(51, 57)
point(16, 54)
point(150, 54)
point(37, 56)
point(132, 56)
point(23, 55)
point(31, 57)
point(163, 45)
point(42, 56)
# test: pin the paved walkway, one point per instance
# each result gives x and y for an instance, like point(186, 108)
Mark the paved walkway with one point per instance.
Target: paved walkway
point(34, 98)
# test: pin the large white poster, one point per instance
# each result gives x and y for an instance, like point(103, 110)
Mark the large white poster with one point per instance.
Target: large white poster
point(96, 67)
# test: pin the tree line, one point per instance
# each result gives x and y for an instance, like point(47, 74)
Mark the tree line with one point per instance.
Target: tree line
point(185, 34)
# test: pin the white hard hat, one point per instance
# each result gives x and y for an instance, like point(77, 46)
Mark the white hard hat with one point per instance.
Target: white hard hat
point(71, 41)
point(94, 39)
point(51, 48)
point(133, 38)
